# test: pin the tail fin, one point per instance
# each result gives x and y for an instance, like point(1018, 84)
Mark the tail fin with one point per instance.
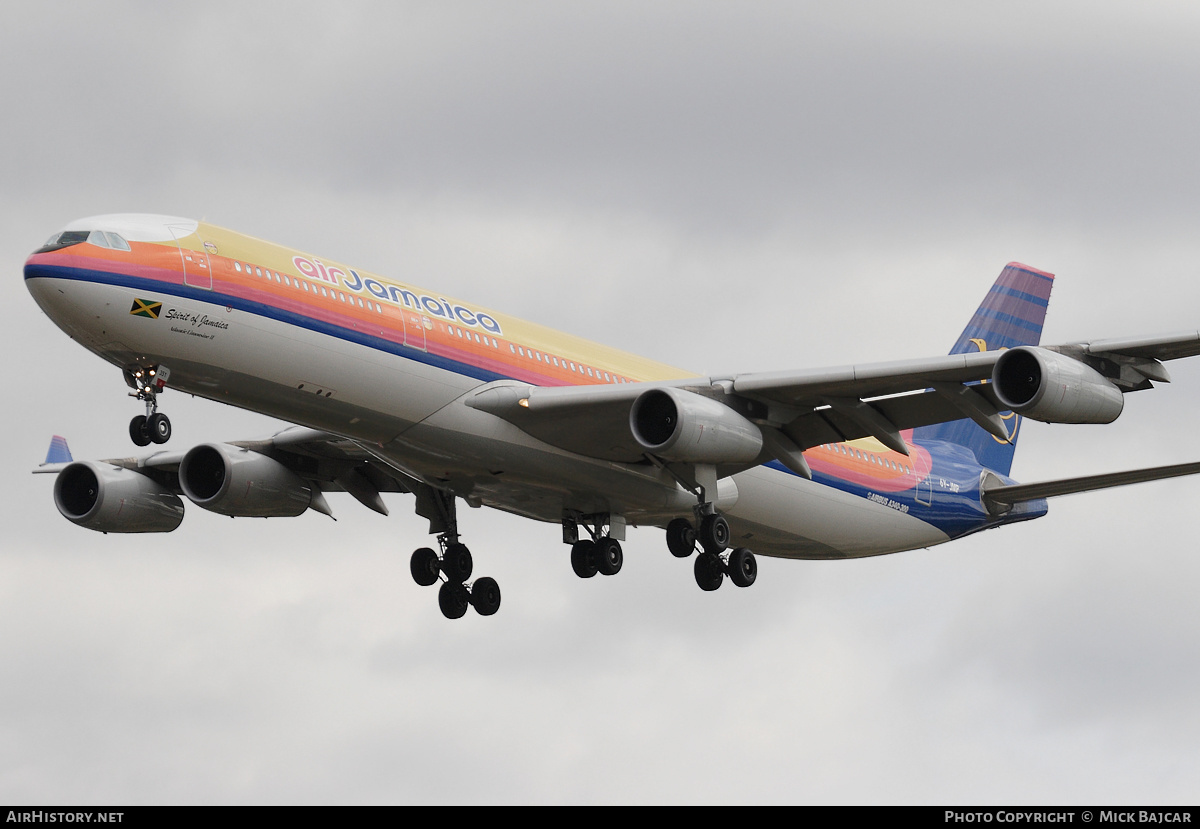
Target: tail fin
point(1011, 314)
point(58, 452)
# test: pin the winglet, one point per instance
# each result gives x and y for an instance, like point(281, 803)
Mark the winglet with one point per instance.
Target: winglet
point(58, 451)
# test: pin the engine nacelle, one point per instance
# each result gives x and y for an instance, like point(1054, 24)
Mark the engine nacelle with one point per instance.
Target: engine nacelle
point(682, 426)
point(112, 499)
point(1049, 387)
point(233, 481)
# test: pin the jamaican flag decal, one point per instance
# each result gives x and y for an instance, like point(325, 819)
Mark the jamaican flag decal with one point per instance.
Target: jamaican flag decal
point(146, 308)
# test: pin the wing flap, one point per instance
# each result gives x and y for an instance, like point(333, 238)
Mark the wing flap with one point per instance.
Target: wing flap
point(907, 411)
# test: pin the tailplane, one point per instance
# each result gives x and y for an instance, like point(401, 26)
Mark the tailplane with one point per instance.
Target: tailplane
point(1010, 315)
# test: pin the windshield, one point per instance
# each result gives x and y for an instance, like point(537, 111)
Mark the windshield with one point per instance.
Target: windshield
point(99, 238)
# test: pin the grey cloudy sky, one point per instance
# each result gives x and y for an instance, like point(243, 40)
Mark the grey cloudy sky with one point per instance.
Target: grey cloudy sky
point(725, 187)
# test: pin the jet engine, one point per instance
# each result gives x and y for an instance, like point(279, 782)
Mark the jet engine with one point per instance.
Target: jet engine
point(683, 426)
point(112, 499)
point(233, 481)
point(1049, 387)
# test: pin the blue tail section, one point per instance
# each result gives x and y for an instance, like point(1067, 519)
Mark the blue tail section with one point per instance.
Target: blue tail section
point(1011, 314)
point(58, 452)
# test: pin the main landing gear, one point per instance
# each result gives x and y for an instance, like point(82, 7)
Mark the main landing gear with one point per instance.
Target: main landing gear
point(713, 564)
point(147, 383)
point(454, 565)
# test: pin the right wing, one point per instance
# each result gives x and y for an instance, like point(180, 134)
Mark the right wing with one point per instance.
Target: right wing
point(282, 475)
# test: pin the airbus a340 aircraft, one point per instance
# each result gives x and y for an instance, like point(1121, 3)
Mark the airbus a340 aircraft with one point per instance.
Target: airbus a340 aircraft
point(398, 389)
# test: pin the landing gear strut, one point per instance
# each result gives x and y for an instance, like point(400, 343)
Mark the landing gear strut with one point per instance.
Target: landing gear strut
point(147, 383)
point(455, 563)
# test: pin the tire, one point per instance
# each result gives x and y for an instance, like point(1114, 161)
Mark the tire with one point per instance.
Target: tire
point(457, 563)
point(583, 559)
point(743, 568)
point(159, 427)
point(609, 556)
point(485, 596)
point(714, 534)
point(709, 571)
point(139, 433)
point(424, 566)
point(453, 600)
point(681, 538)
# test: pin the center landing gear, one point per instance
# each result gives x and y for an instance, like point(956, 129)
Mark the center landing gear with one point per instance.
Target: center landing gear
point(600, 554)
point(455, 563)
point(712, 565)
point(147, 383)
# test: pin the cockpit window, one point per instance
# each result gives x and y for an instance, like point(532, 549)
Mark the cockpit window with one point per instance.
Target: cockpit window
point(64, 240)
point(116, 242)
point(99, 238)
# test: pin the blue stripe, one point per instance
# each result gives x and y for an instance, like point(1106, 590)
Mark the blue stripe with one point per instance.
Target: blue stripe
point(1035, 327)
point(1036, 300)
point(34, 271)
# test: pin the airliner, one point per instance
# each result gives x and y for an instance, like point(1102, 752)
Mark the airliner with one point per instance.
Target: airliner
point(393, 388)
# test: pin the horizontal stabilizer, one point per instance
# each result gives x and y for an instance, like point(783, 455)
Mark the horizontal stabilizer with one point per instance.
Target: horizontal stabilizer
point(1016, 493)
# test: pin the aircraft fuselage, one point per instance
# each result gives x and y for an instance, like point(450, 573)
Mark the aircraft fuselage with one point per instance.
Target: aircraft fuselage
point(387, 364)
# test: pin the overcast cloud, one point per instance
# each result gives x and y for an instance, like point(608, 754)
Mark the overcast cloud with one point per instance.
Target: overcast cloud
point(724, 187)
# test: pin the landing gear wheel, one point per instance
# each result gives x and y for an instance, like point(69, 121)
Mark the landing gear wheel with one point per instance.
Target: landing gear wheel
point(424, 566)
point(609, 557)
point(453, 600)
point(583, 559)
point(681, 538)
point(139, 432)
point(743, 569)
point(457, 563)
point(714, 534)
point(485, 595)
point(159, 427)
point(709, 571)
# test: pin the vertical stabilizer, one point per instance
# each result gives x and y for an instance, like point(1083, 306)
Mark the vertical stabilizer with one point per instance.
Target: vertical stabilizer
point(58, 451)
point(1011, 314)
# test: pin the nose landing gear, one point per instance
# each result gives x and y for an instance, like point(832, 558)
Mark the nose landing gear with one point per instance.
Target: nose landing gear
point(147, 383)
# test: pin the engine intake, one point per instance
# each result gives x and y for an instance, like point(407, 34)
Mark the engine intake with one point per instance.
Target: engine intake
point(683, 426)
point(112, 499)
point(1052, 388)
point(239, 482)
